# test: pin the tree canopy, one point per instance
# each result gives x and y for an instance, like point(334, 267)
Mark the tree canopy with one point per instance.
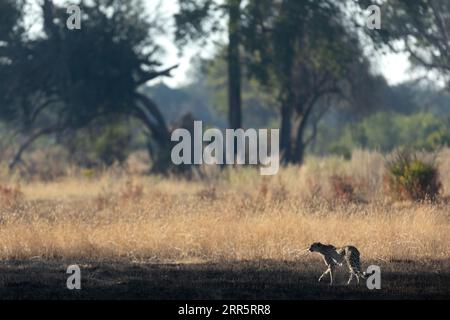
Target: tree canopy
point(299, 65)
point(419, 27)
point(308, 53)
point(66, 78)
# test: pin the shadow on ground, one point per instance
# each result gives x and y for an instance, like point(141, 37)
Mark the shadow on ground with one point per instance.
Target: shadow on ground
point(229, 280)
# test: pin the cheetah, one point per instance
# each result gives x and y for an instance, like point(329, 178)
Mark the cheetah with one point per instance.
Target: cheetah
point(334, 257)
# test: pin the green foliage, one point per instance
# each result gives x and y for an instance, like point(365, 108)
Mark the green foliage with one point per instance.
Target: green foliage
point(410, 178)
point(84, 74)
point(195, 98)
point(192, 20)
point(301, 57)
point(63, 80)
point(258, 103)
point(101, 145)
point(9, 17)
point(421, 26)
point(112, 145)
point(385, 131)
point(342, 151)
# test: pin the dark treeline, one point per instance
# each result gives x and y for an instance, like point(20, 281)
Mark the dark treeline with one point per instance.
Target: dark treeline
point(299, 65)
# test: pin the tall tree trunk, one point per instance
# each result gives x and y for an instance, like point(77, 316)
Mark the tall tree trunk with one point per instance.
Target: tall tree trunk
point(304, 112)
point(299, 150)
point(234, 66)
point(286, 130)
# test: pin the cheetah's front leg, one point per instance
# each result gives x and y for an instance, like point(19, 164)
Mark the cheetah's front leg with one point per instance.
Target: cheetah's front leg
point(351, 278)
point(325, 273)
point(328, 271)
point(331, 276)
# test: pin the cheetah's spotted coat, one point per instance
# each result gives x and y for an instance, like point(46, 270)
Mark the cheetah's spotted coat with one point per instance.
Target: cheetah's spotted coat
point(334, 257)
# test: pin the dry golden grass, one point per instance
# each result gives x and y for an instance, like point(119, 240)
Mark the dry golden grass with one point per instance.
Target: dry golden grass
point(233, 215)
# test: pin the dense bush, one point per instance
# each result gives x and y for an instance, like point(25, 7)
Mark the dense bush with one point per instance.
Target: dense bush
point(100, 145)
point(385, 131)
point(411, 178)
point(10, 196)
point(343, 188)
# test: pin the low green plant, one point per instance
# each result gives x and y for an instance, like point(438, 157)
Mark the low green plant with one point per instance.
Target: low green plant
point(411, 178)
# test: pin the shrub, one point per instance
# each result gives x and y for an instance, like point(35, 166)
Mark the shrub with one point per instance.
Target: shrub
point(342, 151)
point(112, 145)
point(10, 196)
point(102, 144)
point(343, 188)
point(410, 178)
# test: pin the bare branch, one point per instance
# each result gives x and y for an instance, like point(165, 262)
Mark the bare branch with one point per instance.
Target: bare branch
point(156, 74)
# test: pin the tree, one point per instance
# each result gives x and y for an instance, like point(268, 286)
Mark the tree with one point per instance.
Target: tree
point(386, 131)
point(10, 19)
point(198, 20)
point(305, 49)
point(257, 102)
point(11, 30)
point(421, 26)
point(70, 78)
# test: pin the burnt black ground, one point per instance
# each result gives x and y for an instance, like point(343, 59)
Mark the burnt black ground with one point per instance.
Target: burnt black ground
point(248, 280)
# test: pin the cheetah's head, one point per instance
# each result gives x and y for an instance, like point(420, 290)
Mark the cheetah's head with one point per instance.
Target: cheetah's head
point(315, 247)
